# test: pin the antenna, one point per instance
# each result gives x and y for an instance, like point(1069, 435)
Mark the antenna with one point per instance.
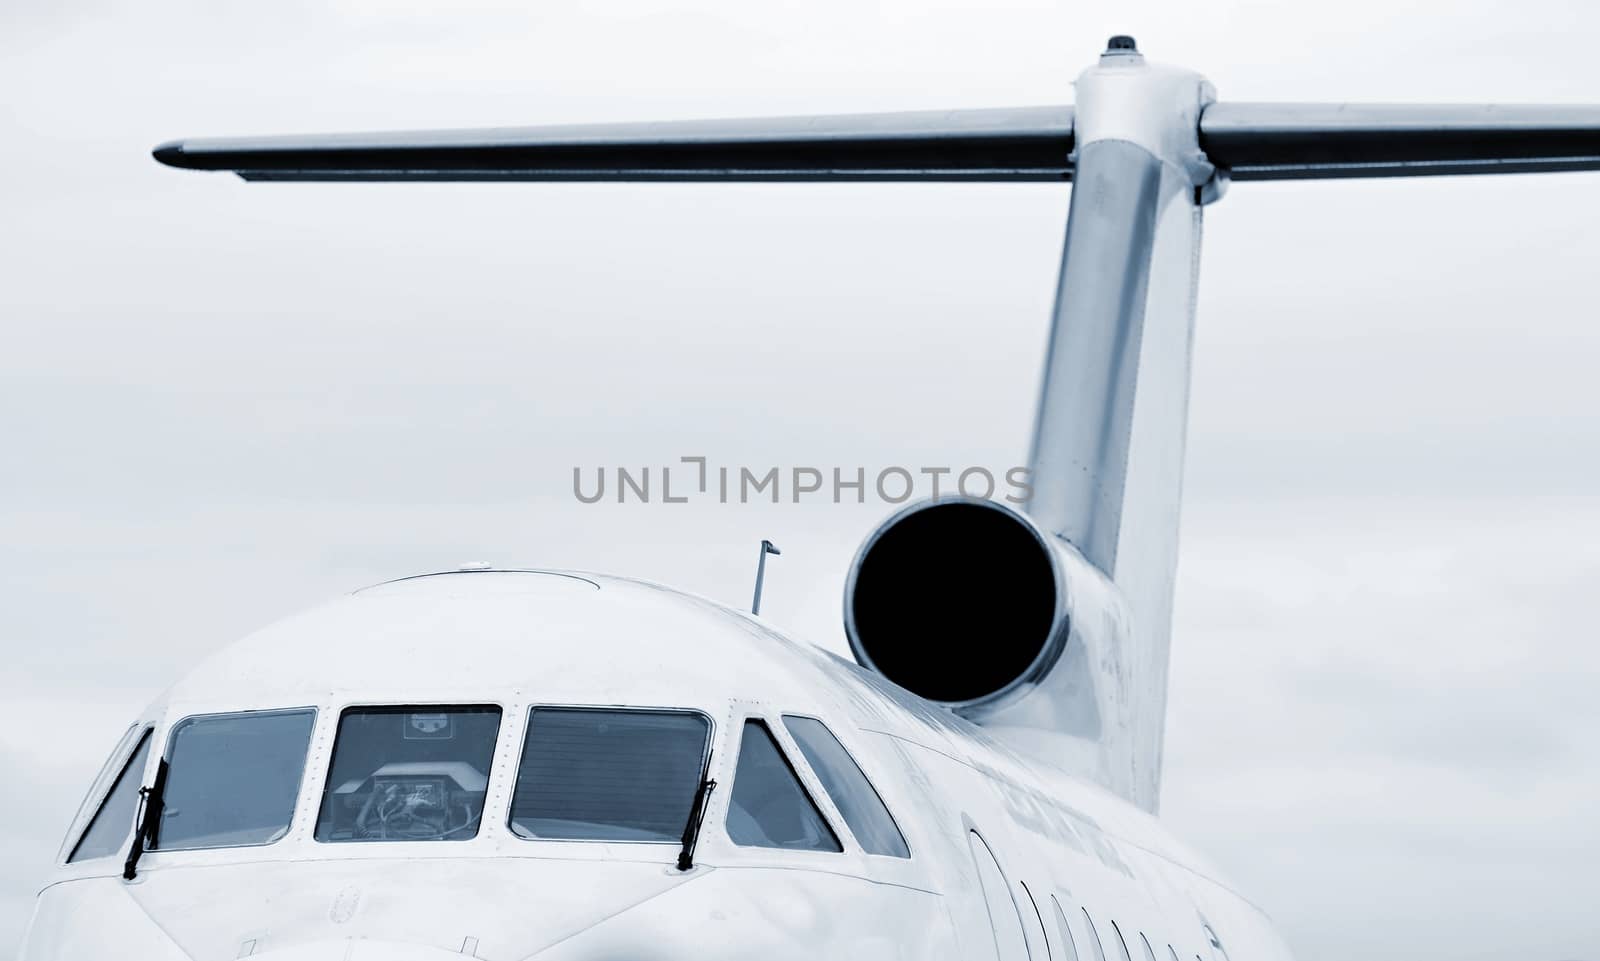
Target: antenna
point(767, 547)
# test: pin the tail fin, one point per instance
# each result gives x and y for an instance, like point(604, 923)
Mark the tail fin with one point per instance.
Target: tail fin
point(1108, 440)
point(1146, 148)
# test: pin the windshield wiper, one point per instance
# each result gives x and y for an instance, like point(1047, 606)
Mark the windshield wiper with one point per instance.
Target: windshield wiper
point(151, 804)
point(691, 830)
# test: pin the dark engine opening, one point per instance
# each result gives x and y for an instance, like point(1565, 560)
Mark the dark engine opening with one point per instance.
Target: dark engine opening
point(955, 601)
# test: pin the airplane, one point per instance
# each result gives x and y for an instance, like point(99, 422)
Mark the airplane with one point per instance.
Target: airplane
point(562, 766)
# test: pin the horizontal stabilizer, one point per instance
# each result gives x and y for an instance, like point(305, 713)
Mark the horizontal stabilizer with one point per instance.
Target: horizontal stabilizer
point(1253, 141)
point(1022, 144)
point(1313, 141)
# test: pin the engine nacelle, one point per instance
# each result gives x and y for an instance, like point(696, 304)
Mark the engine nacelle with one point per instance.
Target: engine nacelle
point(970, 604)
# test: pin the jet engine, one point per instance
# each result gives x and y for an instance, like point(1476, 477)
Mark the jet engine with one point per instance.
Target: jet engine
point(969, 603)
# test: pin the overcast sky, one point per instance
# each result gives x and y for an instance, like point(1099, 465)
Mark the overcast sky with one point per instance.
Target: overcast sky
point(220, 402)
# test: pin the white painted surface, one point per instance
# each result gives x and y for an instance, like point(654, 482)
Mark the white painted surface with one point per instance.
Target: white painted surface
point(519, 639)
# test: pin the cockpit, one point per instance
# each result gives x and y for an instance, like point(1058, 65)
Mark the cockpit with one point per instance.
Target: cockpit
point(429, 773)
point(525, 793)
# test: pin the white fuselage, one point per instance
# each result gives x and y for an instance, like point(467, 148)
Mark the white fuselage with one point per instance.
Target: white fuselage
point(1069, 860)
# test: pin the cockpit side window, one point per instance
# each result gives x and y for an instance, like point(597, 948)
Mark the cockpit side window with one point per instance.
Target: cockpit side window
point(863, 809)
point(99, 787)
point(233, 779)
point(112, 824)
point(409, 773)
point(769, 807)
point(592, 774)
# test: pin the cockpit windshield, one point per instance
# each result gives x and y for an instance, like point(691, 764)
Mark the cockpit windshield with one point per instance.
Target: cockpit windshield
point(111, 825)
point(234, 778)
point(609, 775)
point(409, 774)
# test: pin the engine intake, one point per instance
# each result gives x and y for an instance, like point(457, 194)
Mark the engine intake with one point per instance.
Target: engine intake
point(960, 601)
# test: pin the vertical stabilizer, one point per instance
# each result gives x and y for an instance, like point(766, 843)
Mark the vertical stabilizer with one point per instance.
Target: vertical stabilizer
point(1107, 458)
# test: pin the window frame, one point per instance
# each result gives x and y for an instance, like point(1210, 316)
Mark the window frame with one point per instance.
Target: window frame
point(801, 772)
point(1065, 929)
point(526, 721)
point(116, 766)
point(1122, 941)
point(1094, 934)
point(783, 718)
point(1149, 952)
point(295, 812)
point(1044, 933)
point(324, 771)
